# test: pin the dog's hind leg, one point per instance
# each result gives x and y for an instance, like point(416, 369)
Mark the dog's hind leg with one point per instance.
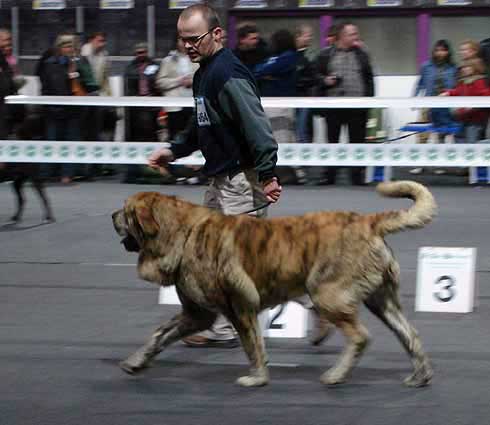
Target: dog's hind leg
point(385, 304)
point(19, 197)
point(39, 187)
point(336, 304)
point(247, 326)
point(180, 326)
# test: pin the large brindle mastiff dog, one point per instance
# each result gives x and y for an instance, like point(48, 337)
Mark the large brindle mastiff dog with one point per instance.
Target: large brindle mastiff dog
point(240, 265)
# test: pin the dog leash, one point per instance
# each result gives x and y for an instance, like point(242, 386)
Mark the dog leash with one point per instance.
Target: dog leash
point(402, 137)
point(260, 207)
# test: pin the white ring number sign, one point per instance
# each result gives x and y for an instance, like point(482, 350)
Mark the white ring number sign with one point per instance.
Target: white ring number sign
point(446, 279)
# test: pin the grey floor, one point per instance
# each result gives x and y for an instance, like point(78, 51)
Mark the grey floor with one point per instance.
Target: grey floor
point(71, 307)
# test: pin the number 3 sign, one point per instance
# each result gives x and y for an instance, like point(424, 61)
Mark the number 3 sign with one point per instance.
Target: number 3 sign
point(446, 279)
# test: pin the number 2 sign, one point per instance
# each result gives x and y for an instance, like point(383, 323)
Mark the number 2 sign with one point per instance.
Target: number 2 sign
point(446, 279)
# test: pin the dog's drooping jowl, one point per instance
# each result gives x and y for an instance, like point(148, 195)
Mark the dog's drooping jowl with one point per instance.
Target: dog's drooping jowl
point(240, 265)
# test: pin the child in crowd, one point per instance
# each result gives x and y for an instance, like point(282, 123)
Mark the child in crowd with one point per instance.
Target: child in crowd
point(472, 83)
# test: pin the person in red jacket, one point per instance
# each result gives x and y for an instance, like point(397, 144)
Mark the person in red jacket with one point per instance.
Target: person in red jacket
point(472, 83)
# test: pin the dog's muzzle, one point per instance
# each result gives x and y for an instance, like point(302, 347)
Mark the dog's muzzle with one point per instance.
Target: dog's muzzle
point(130, 244)
point(120, 225)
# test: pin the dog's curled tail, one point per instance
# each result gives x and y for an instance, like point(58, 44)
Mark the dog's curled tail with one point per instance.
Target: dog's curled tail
point(417, 216)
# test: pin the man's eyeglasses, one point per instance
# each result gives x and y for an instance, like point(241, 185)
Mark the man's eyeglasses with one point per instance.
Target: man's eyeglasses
point(141, 52)
point(194, 40)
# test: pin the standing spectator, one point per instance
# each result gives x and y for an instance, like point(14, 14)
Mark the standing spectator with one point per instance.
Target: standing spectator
point(250, 49)
point(175, 79)
point(485, 55)
point(14, 114)
point(345, 71)
point(6, 88)
point(473, 83)
point(93, 117)
point(437, 75)
point(234, 135)
point(277, 78)
point(6, 49)
point(63, 74)
point(305, 82)
point(469, 49)
point(98, 58)
point(140, 80)
point(332, 35)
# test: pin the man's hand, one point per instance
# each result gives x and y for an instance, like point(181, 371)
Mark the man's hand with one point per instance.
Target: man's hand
point(160, 159)
point(272, 190)
point(186, 81)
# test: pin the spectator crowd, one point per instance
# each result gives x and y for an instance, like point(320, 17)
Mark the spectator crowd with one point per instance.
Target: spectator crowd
point(284, 65)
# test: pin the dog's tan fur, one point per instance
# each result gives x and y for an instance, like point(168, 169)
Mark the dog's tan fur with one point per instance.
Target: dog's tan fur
point(239, 265)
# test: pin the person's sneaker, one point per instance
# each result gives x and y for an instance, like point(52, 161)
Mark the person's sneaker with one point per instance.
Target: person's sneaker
point(198, 341)
point(417, 170)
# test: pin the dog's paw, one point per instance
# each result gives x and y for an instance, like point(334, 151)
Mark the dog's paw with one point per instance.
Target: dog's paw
point(49, 219)
point(130, 369)
point(257, 379)
point(133, 364)
point(333, 377)
point(419, 379)
point(15, 219)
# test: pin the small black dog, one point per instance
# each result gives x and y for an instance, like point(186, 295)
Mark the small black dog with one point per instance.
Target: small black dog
point(19, 173)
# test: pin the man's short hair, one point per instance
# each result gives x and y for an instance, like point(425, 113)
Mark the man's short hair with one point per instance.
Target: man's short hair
point(208, 13)
point(245, 29)
point(342, 26)
point(97, 34)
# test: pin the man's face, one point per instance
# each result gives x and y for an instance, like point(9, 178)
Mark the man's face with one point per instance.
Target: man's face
point(99, 43)
point(250, 41)
point(349, 37)
point(6, 43)
point(200, 42)
point(303, 41)
point(141, 55)
point(67, 50)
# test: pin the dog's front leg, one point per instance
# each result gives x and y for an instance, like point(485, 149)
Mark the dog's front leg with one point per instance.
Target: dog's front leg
point(19, 196)
point(179, 327)
point(247, 326)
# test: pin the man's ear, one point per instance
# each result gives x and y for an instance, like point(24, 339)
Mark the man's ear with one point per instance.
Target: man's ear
point(143, 216)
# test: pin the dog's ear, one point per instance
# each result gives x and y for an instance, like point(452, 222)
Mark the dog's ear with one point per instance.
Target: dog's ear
point(142, 216)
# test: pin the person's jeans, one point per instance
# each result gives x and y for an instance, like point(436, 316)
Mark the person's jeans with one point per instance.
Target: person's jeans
point(471, 133)
point(303, 128)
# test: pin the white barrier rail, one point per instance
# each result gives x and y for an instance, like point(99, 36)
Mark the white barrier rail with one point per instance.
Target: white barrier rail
point(267, 102)
point(293, 154)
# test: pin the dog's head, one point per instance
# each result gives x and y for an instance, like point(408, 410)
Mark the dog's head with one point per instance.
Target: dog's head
point(136, 223)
